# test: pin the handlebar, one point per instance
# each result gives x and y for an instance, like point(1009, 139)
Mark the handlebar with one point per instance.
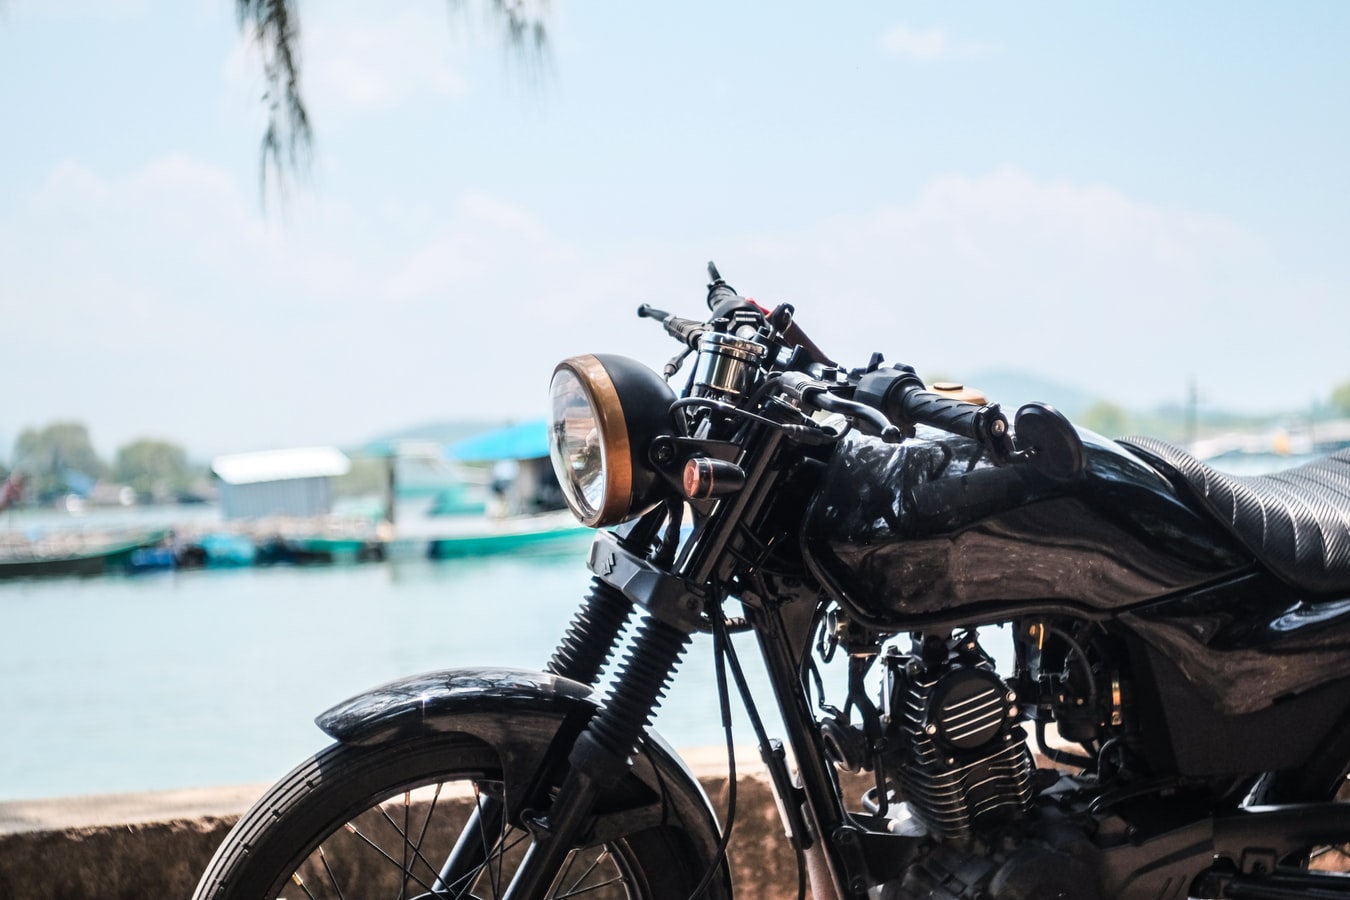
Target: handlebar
point(886, 402)
point(686, 331)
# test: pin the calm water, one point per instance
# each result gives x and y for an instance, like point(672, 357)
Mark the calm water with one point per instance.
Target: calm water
point(205, 677)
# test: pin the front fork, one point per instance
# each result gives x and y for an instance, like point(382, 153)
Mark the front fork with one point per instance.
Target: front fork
point(581, 656)
point(601, 754)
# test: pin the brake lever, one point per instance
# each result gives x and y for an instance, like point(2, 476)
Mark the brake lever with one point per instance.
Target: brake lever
point(869, 421)
point(810, 392)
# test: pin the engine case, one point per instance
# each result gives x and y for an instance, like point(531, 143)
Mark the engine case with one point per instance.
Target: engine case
point(964, 762)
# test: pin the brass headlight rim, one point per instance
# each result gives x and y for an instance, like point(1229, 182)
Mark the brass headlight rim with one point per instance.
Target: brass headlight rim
point(603, 395)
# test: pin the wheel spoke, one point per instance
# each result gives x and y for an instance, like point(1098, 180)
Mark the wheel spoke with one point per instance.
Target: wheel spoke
point(300, 883)
point(431, 811)
point(403, 833)
point(576, 887)
point(332, 879)
point(494, 849)
point(381, 851)
point(617, 879)
point(584, 875)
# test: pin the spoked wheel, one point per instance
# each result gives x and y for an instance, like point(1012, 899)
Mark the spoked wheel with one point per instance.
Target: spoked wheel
point(380, 822)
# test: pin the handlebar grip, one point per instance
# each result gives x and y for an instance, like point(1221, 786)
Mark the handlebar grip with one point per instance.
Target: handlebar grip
point(686, 331)
point(947, 413)
point(902, 396)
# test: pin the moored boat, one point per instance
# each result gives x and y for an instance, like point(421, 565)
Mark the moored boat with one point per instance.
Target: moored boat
point(555, 531)
point(75, 552)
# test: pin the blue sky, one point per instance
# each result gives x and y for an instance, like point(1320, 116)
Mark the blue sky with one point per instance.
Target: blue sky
point(1120, 197)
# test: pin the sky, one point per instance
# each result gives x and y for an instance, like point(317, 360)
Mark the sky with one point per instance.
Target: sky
point(1121, 197)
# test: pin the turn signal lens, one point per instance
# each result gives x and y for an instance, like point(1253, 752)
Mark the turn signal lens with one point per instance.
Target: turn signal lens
point(704, 478)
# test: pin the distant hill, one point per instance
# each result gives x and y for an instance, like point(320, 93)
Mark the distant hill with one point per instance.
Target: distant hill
point(1012, 389)
point(1173, 421)
point(437, 432)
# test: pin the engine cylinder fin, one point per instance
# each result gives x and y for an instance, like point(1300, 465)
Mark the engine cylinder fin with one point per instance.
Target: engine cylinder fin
point(967, 761)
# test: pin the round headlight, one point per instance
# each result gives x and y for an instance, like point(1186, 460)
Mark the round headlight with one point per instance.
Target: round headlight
point(605, 410)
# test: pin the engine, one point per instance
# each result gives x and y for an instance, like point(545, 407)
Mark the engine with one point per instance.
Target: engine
point(958, 756)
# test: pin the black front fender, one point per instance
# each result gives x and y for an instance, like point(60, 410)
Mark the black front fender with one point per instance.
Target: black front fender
point(531, 720)
point(437, 702)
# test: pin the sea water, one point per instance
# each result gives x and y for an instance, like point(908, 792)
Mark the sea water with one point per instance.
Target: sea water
point(214, 676)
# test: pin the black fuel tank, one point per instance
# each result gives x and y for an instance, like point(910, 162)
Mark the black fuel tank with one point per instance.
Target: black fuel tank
point(930, 530)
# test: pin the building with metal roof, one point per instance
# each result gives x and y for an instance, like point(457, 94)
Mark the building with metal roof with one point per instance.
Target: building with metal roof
point(294, 482)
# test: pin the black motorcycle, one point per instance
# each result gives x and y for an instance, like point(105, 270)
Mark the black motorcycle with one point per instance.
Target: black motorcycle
point(1179, 656)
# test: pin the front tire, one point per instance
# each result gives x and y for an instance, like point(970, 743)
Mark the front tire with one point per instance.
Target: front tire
point(379, 821)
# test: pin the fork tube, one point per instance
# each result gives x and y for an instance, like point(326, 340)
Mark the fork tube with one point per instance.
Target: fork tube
point(588, 644)
point(602, 753)
point(582, 655)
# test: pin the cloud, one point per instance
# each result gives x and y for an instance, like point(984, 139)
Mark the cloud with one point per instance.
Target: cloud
point(929, 44)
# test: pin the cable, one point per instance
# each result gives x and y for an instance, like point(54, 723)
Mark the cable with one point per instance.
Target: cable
point(720, 641)
point(757, 724)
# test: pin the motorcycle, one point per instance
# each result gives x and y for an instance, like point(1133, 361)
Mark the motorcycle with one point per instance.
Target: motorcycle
point(1173, 719)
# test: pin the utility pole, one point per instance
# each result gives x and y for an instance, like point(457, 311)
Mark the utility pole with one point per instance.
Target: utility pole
point(1192, 412)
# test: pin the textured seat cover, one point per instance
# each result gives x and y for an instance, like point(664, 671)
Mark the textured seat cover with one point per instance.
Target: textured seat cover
point(1296, 522)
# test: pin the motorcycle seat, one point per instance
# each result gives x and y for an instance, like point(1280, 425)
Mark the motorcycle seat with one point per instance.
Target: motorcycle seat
point(1296, 522)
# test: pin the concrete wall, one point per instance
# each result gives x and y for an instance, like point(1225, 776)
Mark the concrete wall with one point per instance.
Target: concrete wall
point(156, 845)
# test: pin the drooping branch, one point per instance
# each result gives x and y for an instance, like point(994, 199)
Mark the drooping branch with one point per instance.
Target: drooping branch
point(288, 137)
point(523, 23)
point(274, 25)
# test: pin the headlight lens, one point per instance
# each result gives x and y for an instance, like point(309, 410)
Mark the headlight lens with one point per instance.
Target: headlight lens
point(604, 412)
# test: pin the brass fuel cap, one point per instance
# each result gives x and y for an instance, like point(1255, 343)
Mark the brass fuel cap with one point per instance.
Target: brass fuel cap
point(958, 391)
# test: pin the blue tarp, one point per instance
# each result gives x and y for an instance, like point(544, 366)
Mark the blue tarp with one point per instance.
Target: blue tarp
point(526, 440)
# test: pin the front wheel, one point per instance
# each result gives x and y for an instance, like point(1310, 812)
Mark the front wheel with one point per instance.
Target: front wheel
point(380, 822)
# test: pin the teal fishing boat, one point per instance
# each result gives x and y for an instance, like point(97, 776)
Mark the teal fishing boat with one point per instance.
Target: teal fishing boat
point(525, 510)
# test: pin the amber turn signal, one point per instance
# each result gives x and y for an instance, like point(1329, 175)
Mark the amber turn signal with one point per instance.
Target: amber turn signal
point(705, 478)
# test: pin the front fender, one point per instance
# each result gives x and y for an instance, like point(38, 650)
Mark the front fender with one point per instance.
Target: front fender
point(434, 702)
point(531, 720)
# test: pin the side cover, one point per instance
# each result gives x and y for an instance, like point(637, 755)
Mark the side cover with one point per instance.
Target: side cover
point(531, 719)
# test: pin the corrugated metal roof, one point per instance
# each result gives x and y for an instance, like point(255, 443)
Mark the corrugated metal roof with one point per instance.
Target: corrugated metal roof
point(527, 440)
point(281, 465)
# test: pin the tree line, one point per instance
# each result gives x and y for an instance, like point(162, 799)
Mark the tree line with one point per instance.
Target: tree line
point(1112, 420)
point(60, 459)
